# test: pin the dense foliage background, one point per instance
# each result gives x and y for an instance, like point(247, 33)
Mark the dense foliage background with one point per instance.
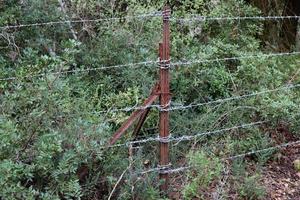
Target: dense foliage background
point(53, 130)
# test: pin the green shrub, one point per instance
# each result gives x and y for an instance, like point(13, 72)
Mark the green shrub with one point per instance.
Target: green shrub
point(53, 128)
point(204, 171)
point(251, 189)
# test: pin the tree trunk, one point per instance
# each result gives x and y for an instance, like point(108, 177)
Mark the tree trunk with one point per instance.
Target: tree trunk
point(270, 38)
point(289, 26)
point(297, 48)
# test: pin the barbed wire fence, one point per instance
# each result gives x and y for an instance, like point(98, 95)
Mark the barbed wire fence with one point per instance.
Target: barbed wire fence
point(147, 16)
point(231, 18)
point(76, 21)
point(174, 106)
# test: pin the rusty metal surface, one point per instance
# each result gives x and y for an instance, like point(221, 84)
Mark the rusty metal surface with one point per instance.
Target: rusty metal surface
point(135, 115)
point(165, 98)
point(155, 91)
point(140, 123)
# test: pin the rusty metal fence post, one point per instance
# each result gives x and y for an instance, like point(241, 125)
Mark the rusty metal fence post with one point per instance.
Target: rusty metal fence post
point(161, 90)
point(165, 98)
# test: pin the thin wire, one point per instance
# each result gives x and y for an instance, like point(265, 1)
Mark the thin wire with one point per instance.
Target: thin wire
point(133, 108)
point(163, 170)
point(192, 137)
point(183, 63)
point(146, 63)
point(156, 14)
point(183, 107)
point(179, 63)
point(205, 18)
point(184, 168)
point(187, 137)
point(264, 150)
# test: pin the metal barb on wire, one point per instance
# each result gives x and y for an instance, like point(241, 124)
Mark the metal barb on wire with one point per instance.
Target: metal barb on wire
point(132, 108)
point(229, 18)
point(165, 64)
point(166, 14)
point(162, 169)
point(156, 14)
point(166, 139)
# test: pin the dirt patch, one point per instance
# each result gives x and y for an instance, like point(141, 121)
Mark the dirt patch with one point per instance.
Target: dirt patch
point(280, 179)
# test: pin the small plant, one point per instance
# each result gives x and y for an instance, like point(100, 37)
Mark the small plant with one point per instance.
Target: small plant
point(250, 189)
point(247, 187)
point(297, 165)
point(205, 170)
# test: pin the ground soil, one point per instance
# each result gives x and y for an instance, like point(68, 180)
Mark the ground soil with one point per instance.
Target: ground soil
point(280, 178)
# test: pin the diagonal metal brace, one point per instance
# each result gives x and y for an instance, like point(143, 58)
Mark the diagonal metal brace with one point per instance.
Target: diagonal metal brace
point(140, 123)
point(155, 93)
point(145, 113)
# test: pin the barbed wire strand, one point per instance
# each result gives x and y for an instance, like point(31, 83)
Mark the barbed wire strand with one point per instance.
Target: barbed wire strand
point(146, 63)
point(149, 63)
point(264, 150)
point(133, 108)
point(183, 107)
point(225, 18)
point(199, 61)
point(187, 137)
point(209, 133)
point(163, 169)
point(155, 14)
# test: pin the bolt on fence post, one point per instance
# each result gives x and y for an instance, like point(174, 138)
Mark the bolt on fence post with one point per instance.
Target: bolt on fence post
point(164, 100)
